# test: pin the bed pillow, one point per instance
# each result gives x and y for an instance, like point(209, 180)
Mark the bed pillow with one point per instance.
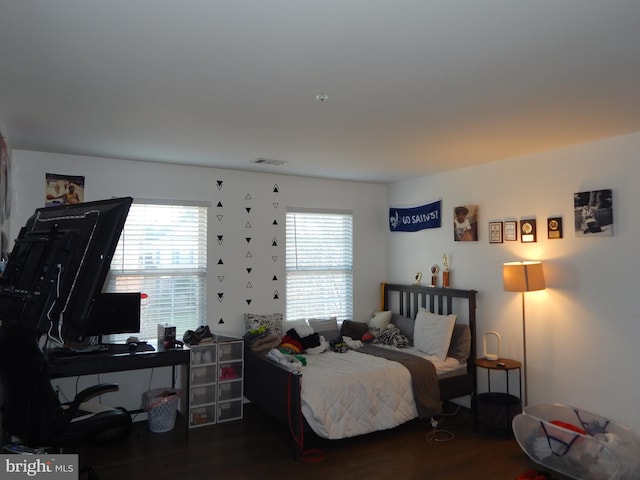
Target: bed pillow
point(379, 320)
point(302, 328)
point(405, 325)
point(273, 321)
point(460, 347)
point(325, 327)
point(353, 329)
point(432, 333)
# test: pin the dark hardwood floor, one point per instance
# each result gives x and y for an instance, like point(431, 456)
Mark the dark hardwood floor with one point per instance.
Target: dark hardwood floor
point(259, 448)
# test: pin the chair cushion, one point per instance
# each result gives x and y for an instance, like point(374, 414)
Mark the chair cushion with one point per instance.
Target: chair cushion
point(97, 424)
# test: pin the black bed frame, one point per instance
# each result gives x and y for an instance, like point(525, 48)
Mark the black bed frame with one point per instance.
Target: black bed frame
point(276, 391)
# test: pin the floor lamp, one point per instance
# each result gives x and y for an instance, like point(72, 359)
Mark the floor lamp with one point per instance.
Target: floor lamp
point(523, 277)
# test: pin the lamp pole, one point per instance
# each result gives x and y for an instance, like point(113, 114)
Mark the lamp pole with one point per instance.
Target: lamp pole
point(524, 355)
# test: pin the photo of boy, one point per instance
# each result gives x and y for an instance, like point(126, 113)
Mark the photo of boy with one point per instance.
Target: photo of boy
point(465, 223)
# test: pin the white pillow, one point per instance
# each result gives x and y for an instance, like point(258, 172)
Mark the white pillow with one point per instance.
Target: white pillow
point(302, 328)
point(380, 320)
point(432, 333)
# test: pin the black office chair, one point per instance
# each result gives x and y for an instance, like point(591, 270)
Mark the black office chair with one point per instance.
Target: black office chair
point(33, 416)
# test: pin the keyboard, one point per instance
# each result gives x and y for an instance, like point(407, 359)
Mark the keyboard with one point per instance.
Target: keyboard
point(111, 348)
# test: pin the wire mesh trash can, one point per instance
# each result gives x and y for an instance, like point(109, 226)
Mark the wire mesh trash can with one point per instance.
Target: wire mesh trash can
point(161, 405)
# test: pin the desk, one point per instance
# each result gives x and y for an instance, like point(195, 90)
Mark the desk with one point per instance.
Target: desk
point(104, 362)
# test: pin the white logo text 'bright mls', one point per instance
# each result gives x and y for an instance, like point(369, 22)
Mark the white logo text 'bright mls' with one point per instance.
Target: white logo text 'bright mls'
point(30, 468)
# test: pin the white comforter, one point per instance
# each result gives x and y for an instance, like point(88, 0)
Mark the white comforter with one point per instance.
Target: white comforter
point(349, 394)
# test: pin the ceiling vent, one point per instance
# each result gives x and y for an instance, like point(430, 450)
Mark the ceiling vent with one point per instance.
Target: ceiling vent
point(269, 161)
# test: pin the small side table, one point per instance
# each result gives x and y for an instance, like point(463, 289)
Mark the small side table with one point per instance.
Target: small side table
point(497, 409)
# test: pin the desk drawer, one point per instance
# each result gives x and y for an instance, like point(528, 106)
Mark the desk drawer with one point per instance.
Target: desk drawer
point(203, 375)
point(230, 390)
point(229, 410)
point(230, 371)
point(202, 416)
point(203, 395)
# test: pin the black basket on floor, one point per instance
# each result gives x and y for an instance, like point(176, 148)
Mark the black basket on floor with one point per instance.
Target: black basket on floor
point(497, 409)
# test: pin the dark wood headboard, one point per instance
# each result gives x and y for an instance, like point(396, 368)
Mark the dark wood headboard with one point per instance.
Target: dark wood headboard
point(406, 300)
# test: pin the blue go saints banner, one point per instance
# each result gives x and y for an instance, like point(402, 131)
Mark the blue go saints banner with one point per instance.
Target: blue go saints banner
point(412, 219)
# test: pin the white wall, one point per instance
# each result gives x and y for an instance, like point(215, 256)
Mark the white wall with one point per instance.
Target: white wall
point(583, 329)
point(230, 194)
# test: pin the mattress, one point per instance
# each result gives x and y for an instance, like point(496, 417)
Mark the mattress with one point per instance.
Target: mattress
point(349, 394)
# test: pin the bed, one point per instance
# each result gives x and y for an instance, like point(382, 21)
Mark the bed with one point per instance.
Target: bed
point(296, 398)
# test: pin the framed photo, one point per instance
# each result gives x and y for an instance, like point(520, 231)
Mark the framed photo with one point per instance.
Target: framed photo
point(63, 189)
point(510, 231)
point(465, 223)
point(554, 228)
point(528, 230)
point(495, 232)
point(593, 213)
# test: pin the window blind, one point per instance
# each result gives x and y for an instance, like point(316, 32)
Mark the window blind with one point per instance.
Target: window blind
point(319, 263)
point(162, 253)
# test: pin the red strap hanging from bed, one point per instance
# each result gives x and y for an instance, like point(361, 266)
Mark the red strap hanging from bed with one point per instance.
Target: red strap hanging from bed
point(312, 455)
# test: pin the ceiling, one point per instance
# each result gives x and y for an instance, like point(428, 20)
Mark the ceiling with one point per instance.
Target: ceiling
point(412, 87)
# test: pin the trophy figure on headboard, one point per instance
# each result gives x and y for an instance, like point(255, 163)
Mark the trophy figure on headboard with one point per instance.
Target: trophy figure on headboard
point(418, 278)
point(445, 271)
point(434, 275)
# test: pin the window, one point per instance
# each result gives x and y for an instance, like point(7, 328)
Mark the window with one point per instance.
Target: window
point(162, 253)
point(319, 265)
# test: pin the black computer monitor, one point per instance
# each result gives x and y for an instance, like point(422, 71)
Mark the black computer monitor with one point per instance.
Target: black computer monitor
point(58, 266)
point(114, 313)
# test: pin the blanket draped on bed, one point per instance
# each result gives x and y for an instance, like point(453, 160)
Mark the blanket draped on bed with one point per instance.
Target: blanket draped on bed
point(426, 389)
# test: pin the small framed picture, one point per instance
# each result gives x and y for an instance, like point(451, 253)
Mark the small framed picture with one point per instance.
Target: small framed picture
point(528, 230)
point(465, 223)
point(495, 232)
point(593, 213)
point(510, 231)
point(554, 228)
